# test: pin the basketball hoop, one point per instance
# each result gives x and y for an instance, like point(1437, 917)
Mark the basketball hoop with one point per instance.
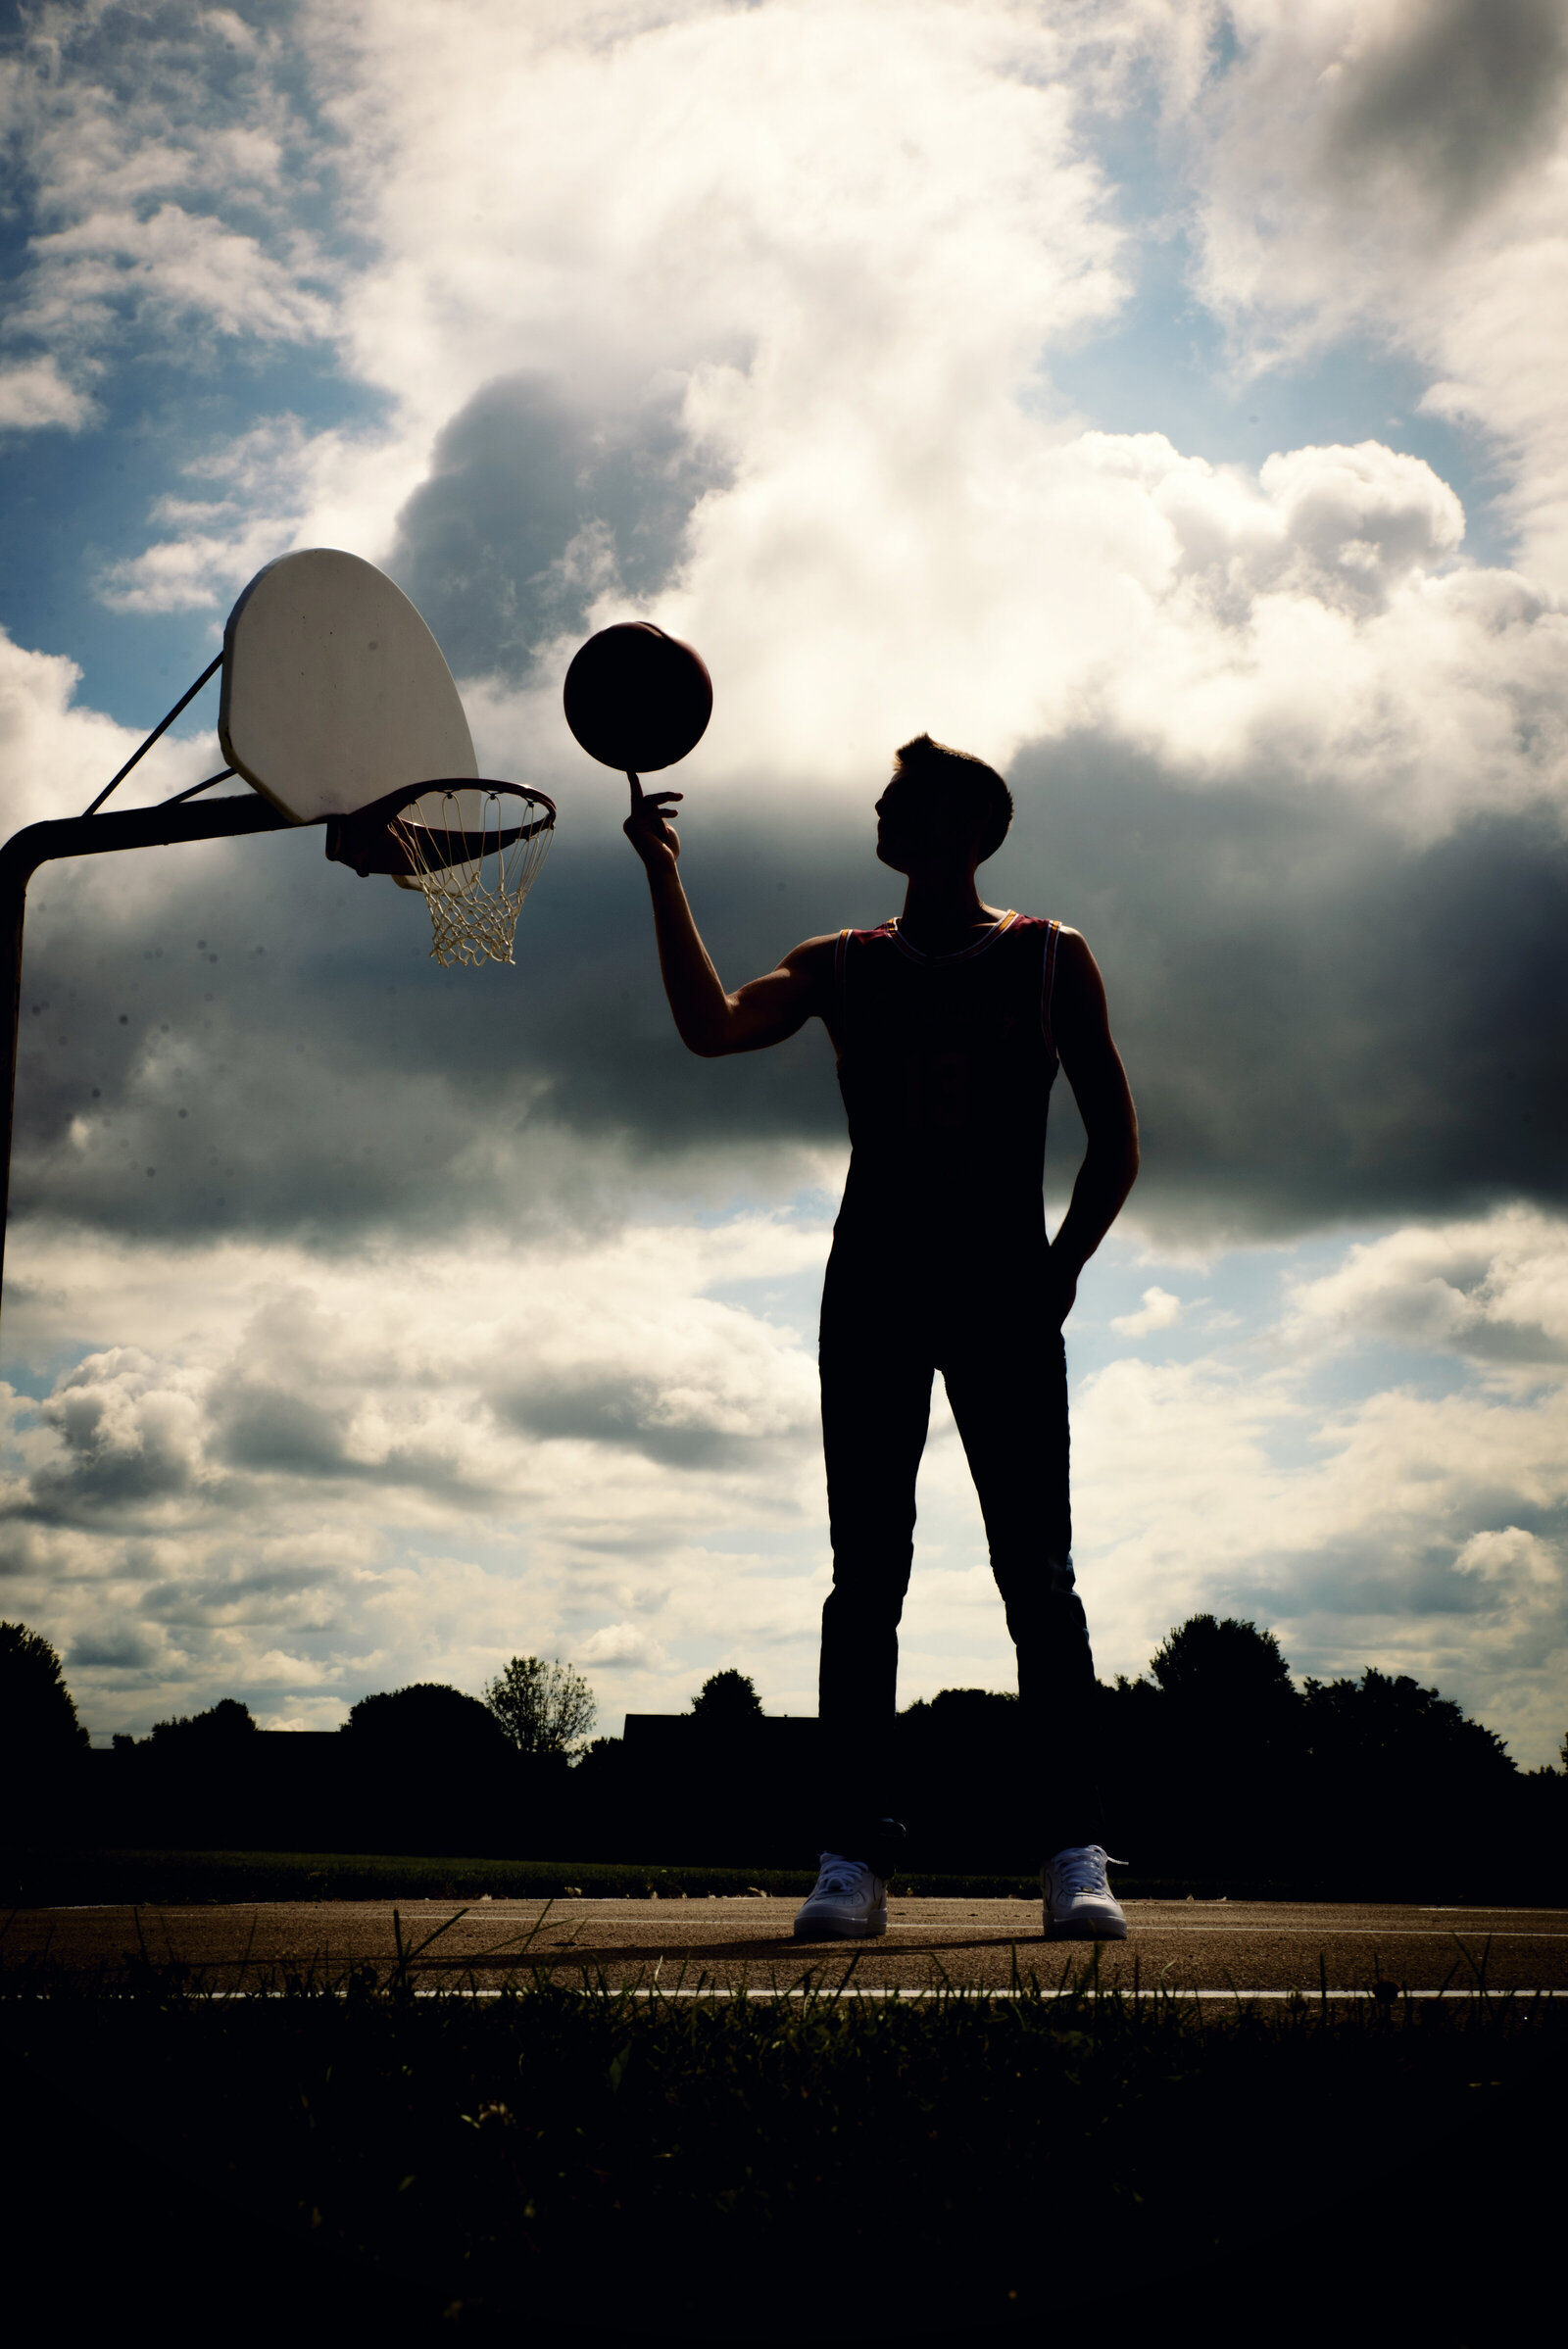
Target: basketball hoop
point(473, 848)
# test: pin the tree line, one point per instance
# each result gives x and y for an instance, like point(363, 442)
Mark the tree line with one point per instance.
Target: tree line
point(1218, 1769)
point(532, 1708)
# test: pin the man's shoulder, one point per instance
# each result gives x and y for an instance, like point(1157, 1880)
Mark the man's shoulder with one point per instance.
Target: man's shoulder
point(1029, 932)
point(1068, 940)
point(1068, 960)
point(1044, 921)
point(829, 947)
point(813, 951)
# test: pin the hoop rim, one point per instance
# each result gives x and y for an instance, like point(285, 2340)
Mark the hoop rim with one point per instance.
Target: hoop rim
point(365, 840)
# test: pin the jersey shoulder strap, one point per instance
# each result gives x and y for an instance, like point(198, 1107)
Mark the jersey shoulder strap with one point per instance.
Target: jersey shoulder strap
point(883, 934)
point(1047, 982)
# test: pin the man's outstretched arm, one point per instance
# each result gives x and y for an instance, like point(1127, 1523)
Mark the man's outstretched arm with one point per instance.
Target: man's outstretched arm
point(1082, 1027)
point(709, 1020)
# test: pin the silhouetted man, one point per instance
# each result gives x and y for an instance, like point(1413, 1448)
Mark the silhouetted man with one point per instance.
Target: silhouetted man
point(949, 1023)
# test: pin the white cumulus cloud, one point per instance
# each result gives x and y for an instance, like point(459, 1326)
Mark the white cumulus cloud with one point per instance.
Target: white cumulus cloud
point(35, 393)
point(1160, 1310)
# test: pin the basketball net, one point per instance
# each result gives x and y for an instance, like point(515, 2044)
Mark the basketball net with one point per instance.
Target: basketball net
point(475, 855)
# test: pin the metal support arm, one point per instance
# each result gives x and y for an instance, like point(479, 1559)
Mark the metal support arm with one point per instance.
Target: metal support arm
point(92, 836)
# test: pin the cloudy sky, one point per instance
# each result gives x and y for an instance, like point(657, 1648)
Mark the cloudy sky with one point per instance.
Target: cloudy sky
point(1163, 400)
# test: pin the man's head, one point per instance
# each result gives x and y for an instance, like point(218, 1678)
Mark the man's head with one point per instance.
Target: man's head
point(941, 807)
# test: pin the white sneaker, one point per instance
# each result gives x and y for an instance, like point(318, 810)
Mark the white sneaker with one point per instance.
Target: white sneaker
point(1080, 1905)
point(848, 1903)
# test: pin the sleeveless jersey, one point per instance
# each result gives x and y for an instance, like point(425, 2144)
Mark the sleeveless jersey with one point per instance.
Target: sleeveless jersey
point(945, 1069)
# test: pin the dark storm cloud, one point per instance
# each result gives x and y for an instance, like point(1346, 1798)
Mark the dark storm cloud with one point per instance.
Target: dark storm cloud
point(263, 1428)
point(323, 1075)
point(1321, 1020)
point(187, 1066)
point(112, 1650)
point(620, 1408)
point(536, 501)
point(217, 1597)
point(267, 1426)
point(1461, 98)
point(1380, 1575)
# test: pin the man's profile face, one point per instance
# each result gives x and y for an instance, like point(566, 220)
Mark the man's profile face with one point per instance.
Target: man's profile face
point(913, 825)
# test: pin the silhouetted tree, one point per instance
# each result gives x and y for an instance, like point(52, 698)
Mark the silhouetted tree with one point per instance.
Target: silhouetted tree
point(1542, 1821)
point(1393, 1717)
point(218, 1729)
point(1228, 1666)
point(427, 1723)
point(38, 1724)
point(42, 1744)
point(1230, 1700)
point(1401, 1768)
point(726, 1700)
point(430, 1769)
point(193, 1778)
point(544, 1708)
point(1386, 1740)
point(958, 1731)
point(1207, 1753)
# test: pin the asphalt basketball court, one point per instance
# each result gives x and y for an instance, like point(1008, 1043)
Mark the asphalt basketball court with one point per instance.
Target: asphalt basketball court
point(1218, 1948)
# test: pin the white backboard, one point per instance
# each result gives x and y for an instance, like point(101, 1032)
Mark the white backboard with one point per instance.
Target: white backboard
point(335, 690)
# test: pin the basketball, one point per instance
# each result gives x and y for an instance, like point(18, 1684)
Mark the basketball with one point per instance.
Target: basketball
point(636, 699)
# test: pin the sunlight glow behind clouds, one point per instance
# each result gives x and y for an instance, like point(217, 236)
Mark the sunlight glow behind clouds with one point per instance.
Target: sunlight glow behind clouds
point(855, 255)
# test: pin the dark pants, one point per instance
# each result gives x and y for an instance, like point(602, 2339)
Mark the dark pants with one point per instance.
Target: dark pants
point(886, 1327)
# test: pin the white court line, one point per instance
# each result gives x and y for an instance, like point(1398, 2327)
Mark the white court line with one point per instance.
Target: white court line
point(1319, 1933)
point(1343, 1933)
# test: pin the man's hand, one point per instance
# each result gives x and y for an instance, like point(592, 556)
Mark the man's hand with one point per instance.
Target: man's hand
point(710, 1021)
point(654, 839)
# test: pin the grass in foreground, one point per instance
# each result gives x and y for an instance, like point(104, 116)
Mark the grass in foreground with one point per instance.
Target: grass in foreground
point(818, 2167)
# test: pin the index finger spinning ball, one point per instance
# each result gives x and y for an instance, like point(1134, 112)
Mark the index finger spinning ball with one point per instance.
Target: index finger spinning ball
point(637, 699)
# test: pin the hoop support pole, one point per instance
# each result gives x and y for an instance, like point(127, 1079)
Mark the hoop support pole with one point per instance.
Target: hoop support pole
point(90, 836)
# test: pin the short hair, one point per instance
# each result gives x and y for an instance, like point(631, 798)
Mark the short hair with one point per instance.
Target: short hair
point(977, 788)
